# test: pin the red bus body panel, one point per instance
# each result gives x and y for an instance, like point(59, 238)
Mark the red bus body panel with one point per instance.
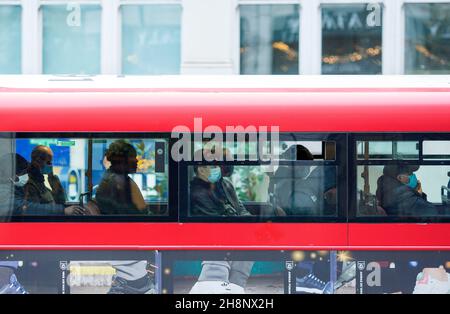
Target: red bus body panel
point(311, 110)
point(161, 112)
point(173, 235)
point(399, 236)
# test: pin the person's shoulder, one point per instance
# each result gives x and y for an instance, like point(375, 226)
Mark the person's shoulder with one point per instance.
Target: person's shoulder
point(198, 183)
point(227, 183)
point(112, 177)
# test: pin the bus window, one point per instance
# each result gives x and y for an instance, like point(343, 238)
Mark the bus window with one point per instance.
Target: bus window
point(84, 176)
point(284, 150)
point(301, 150)
point(436, 150)
point(403, 187)
point(229, 180)
point(286, 190)
point(388, 150)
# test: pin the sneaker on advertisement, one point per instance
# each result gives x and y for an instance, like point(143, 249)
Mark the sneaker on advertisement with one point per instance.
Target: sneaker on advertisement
point(347, 275)
point(123, 286)
point(14, 287)
point(312, 284)
point(236, 289)
point(211, 287)
point(427, 284)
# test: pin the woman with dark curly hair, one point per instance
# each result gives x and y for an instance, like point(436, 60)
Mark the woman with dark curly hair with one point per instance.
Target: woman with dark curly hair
point(117, 193)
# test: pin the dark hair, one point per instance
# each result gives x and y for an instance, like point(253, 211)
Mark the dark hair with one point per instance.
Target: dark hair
point(119, 150)
point(395, 170)
point(297, 152)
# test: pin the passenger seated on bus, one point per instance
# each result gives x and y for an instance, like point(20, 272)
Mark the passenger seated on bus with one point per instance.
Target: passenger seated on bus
point(117, 193)
point(324, 178)
point(214, 195)
point(12, 191)
point(399, 192)
point(35, 191)
point(300, 191)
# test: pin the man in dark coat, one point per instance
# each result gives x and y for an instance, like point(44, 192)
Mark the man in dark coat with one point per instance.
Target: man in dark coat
point(213, 195)
point(399, 192)
point(25, 192)
point(35, 190)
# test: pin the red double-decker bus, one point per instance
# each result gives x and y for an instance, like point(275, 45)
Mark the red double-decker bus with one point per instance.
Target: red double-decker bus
point(359, 164)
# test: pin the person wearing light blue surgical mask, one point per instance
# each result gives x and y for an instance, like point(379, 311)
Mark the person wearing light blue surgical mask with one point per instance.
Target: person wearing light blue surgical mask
point(35, 190)
point(212, 194)
point(21, 180)
point(411, 181)
point(21, 200)
point(399, 192)
point(215, 174)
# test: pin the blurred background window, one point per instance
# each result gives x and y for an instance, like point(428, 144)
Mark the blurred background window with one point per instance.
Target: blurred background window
point(151, 39)
point(351, 45)
point(269, 39)
point(10, 39)
point(427, 46)
point(71, 39)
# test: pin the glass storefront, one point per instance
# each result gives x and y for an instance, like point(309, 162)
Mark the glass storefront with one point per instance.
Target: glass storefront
point(151, 39)
point(351, 40)
point(10, 39)
point(269, 39)
point(427, 38)
point(71, 39)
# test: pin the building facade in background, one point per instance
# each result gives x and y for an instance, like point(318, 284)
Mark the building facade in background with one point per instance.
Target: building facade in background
point(151, 37)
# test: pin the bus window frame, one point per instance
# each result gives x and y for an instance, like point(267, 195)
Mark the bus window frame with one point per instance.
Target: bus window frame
point(340, 138)
point(353, 163)
point(172, 171)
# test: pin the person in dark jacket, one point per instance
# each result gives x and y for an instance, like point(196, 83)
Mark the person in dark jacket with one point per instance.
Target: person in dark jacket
point(35, 189)
point(299, 190)
point(399, 192)
point(117, 193)
point(214, 195)
point(24, 197)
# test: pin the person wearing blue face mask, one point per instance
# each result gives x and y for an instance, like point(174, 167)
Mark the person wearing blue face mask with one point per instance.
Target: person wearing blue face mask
point(399, 192)
point(35, 189)
point(14, 177)
point(213, 194)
